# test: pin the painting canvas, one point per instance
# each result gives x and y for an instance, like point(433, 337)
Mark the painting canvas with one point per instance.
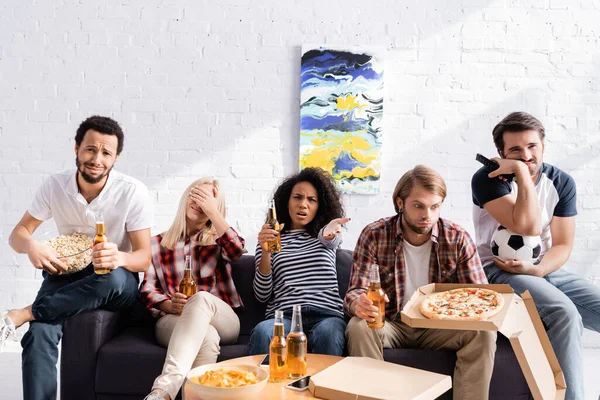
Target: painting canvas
point(341, 110)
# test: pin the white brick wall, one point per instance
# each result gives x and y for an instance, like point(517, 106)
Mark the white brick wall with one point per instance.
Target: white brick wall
point(212, 88)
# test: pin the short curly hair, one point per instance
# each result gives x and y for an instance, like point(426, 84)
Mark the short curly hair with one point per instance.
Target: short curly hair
point(329, 196)
point(104, 125)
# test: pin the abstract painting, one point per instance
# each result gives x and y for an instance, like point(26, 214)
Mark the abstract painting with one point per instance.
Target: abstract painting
point(341, 110)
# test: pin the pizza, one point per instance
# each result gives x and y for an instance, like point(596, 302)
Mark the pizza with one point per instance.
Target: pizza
point(464, 304)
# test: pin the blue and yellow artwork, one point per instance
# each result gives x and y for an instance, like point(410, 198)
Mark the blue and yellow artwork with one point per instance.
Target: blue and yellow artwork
point(341, 110)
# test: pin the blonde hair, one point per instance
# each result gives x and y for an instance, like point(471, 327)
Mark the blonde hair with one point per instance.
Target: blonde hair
point(419, 175)
point(178, 229)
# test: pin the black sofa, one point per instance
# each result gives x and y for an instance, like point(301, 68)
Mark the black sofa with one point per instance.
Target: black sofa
point(114, 355)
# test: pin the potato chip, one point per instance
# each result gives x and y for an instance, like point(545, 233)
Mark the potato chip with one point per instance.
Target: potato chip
point(226, 378)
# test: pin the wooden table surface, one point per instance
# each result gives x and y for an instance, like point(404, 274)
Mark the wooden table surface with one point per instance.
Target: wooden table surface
point(315, 363)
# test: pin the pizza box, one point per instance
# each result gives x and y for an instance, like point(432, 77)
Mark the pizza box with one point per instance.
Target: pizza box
point(411, 313)
point(378, 380)
point(519, 321)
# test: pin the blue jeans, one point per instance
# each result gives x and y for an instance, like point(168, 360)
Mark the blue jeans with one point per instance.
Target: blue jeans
point(325, 331)
point(566, 303)
point(61, 297)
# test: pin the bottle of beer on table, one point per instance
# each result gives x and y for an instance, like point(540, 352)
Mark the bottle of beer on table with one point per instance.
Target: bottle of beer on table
point(275, 245)
point(100, 238)
point(188, 285)
point(296, 346)
point(277, 351)
point(377, 296)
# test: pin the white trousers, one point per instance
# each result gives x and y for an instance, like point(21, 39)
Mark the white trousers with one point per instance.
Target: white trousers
point(193, 338)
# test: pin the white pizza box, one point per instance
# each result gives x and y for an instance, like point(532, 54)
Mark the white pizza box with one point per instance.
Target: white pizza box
point(519, 321)
point(411, 313)
point(362, 378)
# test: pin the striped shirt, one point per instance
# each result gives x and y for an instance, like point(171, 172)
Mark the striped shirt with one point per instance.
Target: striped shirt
point(453, 259)
point(303, 273)
point(161, 280)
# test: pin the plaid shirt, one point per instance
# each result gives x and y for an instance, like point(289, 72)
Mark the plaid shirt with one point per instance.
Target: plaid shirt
point(453, 258)
point(161, 280)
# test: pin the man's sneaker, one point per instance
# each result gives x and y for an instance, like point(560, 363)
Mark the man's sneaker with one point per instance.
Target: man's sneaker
point(7, 330)
point(158, 394)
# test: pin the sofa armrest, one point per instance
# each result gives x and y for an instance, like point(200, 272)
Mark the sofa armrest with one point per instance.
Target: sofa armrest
point(83, 336)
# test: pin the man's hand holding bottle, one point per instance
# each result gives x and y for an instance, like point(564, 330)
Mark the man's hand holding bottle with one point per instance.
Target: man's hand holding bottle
point(363, 308)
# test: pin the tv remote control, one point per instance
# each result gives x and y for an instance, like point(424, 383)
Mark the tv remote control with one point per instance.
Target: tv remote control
point(493, 165)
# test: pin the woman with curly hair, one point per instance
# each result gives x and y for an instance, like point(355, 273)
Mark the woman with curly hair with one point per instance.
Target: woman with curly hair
point(309, 206)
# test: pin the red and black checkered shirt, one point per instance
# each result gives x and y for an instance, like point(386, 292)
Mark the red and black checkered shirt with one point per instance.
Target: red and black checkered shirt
point(161, 280)
point(453, 258)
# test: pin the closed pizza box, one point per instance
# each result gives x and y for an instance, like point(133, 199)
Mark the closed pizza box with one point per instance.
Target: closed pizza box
point(519, 321)
point(376, 380)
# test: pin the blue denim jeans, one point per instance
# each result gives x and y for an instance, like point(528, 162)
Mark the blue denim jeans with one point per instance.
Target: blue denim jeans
point(325, 331)
point(566, 303)
point(61, 297)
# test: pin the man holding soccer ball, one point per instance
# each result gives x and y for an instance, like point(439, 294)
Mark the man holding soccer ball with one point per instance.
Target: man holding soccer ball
point(539, 201)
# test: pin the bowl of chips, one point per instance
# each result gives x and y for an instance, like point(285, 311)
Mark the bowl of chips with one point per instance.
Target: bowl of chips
point(227, 382)
point(73, 245)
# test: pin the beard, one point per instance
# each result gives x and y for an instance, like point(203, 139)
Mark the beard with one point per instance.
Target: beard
point(415, 228)
point(88, 178)
point(534, 168)
point(418, 229)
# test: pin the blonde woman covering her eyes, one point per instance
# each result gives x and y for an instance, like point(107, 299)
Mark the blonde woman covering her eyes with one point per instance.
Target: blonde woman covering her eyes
point(193, 328)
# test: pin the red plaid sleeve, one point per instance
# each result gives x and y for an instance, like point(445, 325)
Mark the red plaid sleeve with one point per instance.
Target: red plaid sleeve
point(150, 290)
point(469, 269)
point(232, 245)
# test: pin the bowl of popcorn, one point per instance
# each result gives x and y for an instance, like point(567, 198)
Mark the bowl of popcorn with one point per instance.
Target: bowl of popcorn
point(226, 382)
point(73, 245)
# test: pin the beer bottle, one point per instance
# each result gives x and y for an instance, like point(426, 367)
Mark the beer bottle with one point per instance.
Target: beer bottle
point(275, 245)
point(100, 238)
point(296, 346)
point(188, 285)
point(277, 351)
point(377, 296)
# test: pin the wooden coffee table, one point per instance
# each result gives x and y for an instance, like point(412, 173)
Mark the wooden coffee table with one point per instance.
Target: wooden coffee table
point(316, 363)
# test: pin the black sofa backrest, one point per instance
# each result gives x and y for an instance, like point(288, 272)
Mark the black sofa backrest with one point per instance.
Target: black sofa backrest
point(253, 312)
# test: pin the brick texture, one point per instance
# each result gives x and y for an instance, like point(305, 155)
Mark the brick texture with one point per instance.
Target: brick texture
point(212, 88)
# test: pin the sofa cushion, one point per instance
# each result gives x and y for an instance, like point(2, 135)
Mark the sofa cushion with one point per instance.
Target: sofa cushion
point(253, 312)
point(136, 354)
point(508, 380)
point(133, 354)
point(233, 351)
point(343, 265)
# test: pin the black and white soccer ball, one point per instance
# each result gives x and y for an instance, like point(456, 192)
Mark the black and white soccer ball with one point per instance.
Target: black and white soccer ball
point(507, 245)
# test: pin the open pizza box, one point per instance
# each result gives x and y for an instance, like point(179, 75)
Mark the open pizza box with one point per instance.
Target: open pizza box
point(519, 321)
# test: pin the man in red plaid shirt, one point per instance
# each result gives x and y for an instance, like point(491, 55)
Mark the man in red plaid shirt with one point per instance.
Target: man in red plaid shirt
point(413, 248)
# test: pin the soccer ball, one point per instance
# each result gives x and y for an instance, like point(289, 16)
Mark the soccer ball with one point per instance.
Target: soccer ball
point(507, 246)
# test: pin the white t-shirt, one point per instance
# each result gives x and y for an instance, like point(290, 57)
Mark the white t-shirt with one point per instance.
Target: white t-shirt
point(124, 201)
point(416, 260)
